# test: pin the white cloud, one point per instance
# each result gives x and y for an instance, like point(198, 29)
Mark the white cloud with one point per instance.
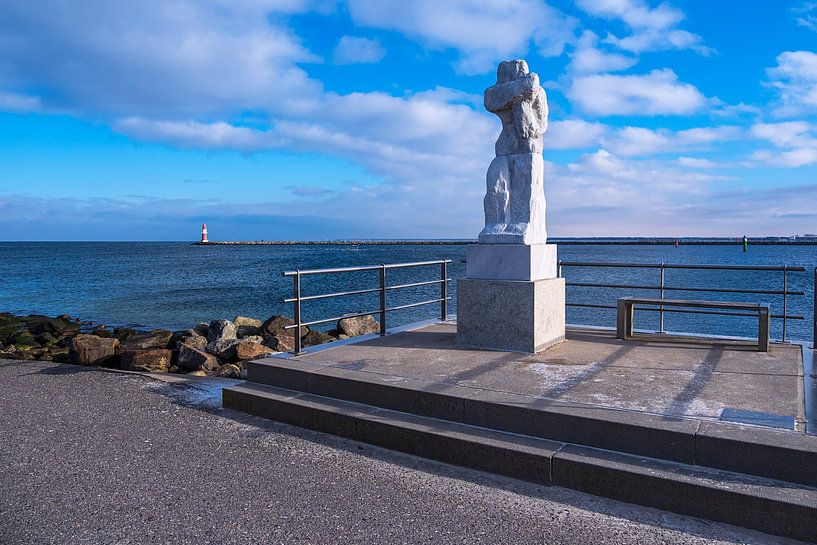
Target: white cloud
point(696, 162)
point(653, 29)
point(656, 93)
point(795, 79)
point(19, 103)
point(588, 58)
point(155, 58)
point(573, 134)
point(797, 139)
point(807, 19)
point(354, 49)
point(483, 32)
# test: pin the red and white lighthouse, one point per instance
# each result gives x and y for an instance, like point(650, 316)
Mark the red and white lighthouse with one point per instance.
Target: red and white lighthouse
point(204, 232)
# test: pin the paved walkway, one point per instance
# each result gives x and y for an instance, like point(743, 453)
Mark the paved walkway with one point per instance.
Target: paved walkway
point(96, 457)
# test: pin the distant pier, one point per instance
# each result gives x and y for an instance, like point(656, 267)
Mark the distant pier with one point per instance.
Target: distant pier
point(766, 241)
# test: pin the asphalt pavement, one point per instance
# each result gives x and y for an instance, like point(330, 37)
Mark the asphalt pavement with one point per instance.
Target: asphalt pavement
point(89, 456)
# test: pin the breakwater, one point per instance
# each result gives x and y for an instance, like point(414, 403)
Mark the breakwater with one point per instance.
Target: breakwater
point(564, 241)
point(218, 348)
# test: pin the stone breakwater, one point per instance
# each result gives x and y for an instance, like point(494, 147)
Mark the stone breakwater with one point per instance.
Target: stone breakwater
point(219, 348)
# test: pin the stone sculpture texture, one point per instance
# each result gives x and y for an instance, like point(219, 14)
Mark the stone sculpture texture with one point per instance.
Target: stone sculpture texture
point(515, 200)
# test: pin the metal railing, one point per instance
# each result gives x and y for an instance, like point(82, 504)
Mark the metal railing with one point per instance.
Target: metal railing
point(382, 289)
point(662, 288)
point(814, 313)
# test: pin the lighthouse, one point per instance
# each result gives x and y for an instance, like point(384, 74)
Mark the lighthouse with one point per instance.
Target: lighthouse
point(204, 232)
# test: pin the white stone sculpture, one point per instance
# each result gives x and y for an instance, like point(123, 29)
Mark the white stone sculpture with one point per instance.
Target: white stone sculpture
point(515, 200)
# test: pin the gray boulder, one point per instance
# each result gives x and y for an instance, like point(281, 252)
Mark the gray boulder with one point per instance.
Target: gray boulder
point(240, 321)
point(157, 338)
point(201, 328)
point(92, 350)
point(152, 360)
point(192, 359)
point(360, 325)
point(250, 349)
point(195, 341)
point(221, 330)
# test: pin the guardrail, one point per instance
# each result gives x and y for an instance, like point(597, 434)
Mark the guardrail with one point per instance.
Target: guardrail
point(382, 289)
point(663, 287)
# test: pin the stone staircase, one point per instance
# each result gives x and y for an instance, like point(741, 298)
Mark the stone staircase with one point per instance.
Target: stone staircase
point(747, 476)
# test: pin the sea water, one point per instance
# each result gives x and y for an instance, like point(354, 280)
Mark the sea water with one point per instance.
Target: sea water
point(176, 285)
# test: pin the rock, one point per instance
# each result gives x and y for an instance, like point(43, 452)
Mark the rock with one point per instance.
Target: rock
point(124, 333)
point(228, 370)
point(11, 352)
point(102, 331)
point(240, 321)
point(157, 338)
point(247, 349)
point(280, 342)
point(224, 349)
point(192, 359)
point(58, 327)
point(23, 339)
point(92, 350)
point(197, 373)
point(276, 325)
point(317, 337)
point(277, 337)
point(177, 336)
point(360, 325)
point(247, 331)
point(152, 360)
point(59, 354)
point(196, 341)
point(46, 339)
point(202, 329)
point(221, 330)
point(9, 326)
point(174, 369)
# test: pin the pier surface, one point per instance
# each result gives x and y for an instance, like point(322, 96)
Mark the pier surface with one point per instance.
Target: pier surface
point(680, 377)
point(97, 457)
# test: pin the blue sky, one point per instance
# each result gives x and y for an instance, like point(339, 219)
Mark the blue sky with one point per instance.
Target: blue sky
point(319, 119)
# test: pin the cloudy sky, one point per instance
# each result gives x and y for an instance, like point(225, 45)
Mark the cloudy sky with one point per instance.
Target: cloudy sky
point(300, 119)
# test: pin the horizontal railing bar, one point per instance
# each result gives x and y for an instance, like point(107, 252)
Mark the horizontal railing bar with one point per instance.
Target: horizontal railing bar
point(401, 307)
point(326, 321)
point(653, 309)
point(682, 288)
point(366, 268)
point(327, 295)
point(681, 266)
point(415, 284)
point(359, 292)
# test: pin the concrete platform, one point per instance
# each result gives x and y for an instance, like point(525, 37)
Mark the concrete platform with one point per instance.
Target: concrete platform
point(638, 420)
point(664, 376)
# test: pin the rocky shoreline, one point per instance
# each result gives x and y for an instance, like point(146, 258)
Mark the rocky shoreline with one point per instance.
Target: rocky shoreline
point(219, 348)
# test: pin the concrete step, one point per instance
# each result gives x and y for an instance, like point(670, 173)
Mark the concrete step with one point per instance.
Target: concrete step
point(775, 454)
point(767, 505)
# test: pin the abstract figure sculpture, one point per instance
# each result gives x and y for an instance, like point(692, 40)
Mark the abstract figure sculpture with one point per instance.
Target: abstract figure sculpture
point(515, 199)
point(511, 297)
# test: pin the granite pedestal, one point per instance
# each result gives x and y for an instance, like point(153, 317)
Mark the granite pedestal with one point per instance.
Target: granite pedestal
point(513, 315)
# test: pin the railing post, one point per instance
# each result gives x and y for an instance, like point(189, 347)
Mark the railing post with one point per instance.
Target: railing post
point(661, 307)
point(785, 299)
point(814, 312)
point(296, 312)
point(383, 299)
point(444, 291)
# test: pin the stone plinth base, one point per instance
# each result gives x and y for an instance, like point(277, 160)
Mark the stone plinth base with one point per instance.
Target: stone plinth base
point(510, 261)
point(510, 315)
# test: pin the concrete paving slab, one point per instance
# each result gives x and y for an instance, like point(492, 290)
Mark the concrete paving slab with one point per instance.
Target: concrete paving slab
point(665, 376)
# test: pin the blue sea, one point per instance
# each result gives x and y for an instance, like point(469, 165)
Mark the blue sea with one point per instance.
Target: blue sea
point(176, 284)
